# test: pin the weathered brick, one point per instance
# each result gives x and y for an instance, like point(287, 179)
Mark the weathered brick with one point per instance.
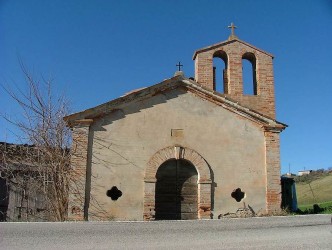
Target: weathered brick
point(263, 102)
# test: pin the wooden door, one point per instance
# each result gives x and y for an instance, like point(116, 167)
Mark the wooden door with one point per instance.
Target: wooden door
point(176, 191)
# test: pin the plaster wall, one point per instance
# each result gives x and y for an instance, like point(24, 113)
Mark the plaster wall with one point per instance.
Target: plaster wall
point(125, 140)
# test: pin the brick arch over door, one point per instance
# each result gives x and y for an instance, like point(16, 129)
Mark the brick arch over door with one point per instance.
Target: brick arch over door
point(204, 179)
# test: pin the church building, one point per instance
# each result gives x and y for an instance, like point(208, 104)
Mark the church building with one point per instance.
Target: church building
point(180, 149)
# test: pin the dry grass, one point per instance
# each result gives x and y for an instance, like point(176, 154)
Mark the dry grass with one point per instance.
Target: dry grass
point(320, 191)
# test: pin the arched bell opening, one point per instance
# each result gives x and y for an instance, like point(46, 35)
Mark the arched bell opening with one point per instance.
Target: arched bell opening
point(249, 78)
point(220, 69)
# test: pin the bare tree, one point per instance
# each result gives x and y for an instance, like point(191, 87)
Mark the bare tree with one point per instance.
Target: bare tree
point(41, 168)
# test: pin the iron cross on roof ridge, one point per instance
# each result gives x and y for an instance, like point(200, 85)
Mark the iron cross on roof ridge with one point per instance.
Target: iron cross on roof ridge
point(179, 65)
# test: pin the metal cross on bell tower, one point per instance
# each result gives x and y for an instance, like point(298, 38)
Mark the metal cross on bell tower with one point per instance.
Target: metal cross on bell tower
point(232, 36)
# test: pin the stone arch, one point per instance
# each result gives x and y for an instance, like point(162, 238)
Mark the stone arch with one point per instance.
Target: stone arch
point(204, 179)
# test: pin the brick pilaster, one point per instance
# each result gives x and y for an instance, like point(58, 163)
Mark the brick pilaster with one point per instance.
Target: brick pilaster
point(79, 157)
point(272, 164)
point(204, 69)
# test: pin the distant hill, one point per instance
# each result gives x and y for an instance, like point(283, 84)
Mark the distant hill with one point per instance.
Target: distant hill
point(320, 191)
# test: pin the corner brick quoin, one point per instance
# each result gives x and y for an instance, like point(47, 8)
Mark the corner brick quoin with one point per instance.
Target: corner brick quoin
point(204, 179)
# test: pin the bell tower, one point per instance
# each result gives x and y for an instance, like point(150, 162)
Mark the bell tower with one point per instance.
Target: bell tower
point(233, 52)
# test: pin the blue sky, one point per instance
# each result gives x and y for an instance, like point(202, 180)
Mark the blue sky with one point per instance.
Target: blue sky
point(98, 50)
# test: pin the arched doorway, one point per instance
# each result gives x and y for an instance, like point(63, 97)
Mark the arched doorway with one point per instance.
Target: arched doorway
point(204, 183)
point(176, 191)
